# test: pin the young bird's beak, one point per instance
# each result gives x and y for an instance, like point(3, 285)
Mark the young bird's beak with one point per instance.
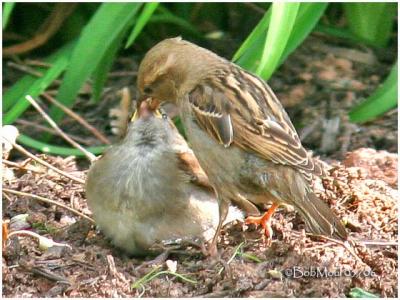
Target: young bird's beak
point(145, 109)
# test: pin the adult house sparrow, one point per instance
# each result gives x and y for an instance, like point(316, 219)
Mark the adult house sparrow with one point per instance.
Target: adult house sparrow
point(239, 132)
point(149, 188)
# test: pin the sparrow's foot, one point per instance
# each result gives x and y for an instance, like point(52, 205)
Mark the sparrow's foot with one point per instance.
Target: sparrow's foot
point(264, 220)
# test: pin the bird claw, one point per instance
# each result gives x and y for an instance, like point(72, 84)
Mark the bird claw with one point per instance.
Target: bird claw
point(265, 224)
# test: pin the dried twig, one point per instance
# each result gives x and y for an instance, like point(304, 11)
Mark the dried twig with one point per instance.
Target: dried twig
point(53, 124)
point(49, 275)
point(43, 199)
point(113, 270)
point(378, 243)
point(41, 161)
point(78, 118)
point(44, 242)
point(348, 245)
point(19, 166)
point(47, 30)
point(38, 63)
point(50, 130)
point(255, 8)
point(25, 69)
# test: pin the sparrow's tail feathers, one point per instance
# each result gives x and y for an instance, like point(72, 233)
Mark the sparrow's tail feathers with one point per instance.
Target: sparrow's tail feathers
point(319, 218)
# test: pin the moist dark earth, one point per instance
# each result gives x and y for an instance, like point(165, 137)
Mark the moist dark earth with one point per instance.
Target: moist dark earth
point(318, 85)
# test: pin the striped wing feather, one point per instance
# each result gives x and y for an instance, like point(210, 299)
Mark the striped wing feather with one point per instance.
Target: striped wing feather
point(240, 108)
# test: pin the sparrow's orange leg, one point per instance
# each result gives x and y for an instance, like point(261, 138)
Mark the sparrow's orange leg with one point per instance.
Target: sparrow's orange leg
point(264, 220)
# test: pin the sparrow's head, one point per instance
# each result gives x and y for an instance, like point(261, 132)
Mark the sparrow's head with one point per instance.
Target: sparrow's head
point(171, 69)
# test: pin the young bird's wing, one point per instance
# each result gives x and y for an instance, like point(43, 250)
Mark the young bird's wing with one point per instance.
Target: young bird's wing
point(238, 107)
point(189, 165)
point(187, 161)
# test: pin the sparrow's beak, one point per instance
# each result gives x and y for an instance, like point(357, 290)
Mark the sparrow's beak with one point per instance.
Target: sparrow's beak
point(153, 103)
point(145, 109)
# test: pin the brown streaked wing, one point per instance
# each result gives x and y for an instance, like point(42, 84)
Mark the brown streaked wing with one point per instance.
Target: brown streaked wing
point(211, 111)
point(259, 122)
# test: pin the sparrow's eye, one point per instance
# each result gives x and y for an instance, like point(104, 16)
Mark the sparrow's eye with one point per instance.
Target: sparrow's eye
point(148, 90)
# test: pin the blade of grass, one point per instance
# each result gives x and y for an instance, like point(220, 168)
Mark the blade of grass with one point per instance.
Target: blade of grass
point(360, 293)
point(153, 274)
point(258, 31)
point(101, 72)
point(165, 16)
point(249, 56)
point(342, 33)
point(382, 100)
point(97, 37)
point(371, 21)
point(7, 10)
point(145, 278)
point(14, 98)
point(283, 17)
point(57, 150)
point(250, 257)
point(307, 17)
point(236, 252)
point(144, 17)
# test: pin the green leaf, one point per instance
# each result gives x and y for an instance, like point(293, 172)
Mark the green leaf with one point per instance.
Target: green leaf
point(284, 37)
point(7, 10)
point(282, 21)
point(96, 39)
point(255, 37)
point(144, 17)
point(251, 48)
point(165, 16)
point(382, 100)
point(57, 150)
point(100, 74)
point(360, 293)
point(342, 33)
point(371, 21)
point(14, 99)
point(306, 20)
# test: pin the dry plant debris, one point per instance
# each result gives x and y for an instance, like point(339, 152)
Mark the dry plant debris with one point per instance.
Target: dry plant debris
point(246, 266)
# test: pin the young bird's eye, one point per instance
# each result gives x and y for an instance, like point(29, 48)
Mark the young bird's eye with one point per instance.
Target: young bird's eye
point(163, 113)
point(148, 90)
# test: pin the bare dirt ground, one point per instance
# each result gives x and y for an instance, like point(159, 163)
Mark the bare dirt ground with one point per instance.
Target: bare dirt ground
point(319, 82)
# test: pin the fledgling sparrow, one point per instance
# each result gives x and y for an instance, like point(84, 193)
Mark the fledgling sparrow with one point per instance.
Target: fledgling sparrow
point(239, 132)
point(149, 187)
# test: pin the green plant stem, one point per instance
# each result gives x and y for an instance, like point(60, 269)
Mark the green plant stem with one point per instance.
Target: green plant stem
point(52, 149)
